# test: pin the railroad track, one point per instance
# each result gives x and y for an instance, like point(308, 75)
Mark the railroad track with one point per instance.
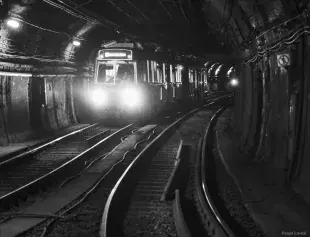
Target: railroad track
point(79, 160)
point(27, 174)
point(217, 217)
point(197, 209)
point(145, 189)
point(214, 223)
point(106, 180)
point(8, 218)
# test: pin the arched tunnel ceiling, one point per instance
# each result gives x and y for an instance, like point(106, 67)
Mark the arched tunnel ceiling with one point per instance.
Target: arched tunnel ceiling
point(183, 27)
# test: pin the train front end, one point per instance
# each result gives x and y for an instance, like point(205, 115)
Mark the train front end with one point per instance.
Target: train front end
point(115, 92)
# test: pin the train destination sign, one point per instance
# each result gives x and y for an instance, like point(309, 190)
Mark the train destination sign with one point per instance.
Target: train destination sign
point(118, 54)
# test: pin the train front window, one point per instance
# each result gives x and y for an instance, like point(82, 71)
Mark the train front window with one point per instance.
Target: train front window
point(105, 73)
point(124, 73)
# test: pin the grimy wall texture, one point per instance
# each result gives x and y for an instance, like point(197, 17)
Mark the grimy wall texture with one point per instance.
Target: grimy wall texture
point(30, 105)
point(272, 120)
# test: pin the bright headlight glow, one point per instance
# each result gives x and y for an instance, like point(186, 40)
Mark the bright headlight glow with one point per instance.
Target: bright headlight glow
point(234, 82)
point(98, 97)
point(131, 97)
point(13, 23)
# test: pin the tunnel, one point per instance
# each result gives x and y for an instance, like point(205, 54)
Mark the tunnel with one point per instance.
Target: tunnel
point(258, 50)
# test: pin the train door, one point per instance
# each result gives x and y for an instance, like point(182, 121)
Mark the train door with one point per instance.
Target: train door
point(191, 82)
point(169, 83)
point(173, 81)
point(178, 82)
point(37, 102)
point(163, 91)
point(196, 84)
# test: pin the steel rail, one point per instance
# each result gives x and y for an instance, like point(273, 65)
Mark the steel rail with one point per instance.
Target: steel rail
point(43, 146)
point(76, 161)
point(111, 224)
point(210, 216)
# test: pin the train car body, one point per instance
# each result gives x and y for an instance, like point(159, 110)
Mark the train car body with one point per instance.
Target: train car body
point(131, 83)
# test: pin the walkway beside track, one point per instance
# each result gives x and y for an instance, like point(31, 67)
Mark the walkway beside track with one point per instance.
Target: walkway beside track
point(13, 149)
point(272, 203)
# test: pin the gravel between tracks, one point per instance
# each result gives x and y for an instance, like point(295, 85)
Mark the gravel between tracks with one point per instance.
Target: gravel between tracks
point(158, 219)
point(54, 186)
point(85, 219)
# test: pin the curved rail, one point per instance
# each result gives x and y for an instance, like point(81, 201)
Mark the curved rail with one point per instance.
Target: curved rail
point(210, 215)
point(76, 161)
point(114, 209)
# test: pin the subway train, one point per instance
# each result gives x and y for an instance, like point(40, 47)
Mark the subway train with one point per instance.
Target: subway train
point(129, 82)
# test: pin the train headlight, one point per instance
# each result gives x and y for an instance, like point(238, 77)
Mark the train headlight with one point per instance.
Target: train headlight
point(98, 97)
point(131, 97)
point(234, 82)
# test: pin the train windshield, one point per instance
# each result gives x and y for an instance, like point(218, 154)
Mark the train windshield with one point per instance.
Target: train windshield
point(116, 73)
point(124, 73)
point(106, 73)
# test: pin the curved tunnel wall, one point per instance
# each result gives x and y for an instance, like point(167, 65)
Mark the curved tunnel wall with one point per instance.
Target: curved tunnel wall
point(14, 110)
point(34, 104)
point(272, 114)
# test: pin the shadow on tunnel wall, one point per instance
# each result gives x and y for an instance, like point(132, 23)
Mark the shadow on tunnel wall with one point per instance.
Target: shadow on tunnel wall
point(32, 107)
point(271, 115)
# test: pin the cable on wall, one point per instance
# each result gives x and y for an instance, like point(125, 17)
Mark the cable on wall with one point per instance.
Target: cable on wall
point(163, 6)
point(182, 10)
point(278, 46)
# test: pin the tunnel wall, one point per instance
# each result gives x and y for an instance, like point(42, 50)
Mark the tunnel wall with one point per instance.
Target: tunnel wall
point(14, 111)
point(58, 107)
point(262, 107)
point(272, 114)
point(20, 107)
point(82, 107)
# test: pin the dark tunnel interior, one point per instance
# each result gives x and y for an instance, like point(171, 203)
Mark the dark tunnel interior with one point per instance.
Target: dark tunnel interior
point(258, 50)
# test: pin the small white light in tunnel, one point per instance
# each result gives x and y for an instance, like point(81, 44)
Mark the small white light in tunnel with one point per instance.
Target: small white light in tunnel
point(13, 23)
point(181, 67)
point(76, 43)
point(234, 82)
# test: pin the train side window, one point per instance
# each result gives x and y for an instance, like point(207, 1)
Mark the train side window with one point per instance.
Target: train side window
point(148, 71)
point(164, 73)
point(159, 74)
point(171, 74)
point(155, 71)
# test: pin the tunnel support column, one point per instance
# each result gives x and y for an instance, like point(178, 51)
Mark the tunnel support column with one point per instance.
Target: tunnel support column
point(302, 151)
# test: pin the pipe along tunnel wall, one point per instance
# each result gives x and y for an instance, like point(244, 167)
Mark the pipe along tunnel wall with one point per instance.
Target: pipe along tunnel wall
point(30, 106)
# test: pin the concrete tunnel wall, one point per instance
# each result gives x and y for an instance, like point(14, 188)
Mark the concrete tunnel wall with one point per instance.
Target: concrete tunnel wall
point(14, 110)
point(31, 105)
point(271, 115)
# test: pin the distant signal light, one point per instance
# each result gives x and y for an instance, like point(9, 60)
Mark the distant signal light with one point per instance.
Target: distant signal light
point(76, 43)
